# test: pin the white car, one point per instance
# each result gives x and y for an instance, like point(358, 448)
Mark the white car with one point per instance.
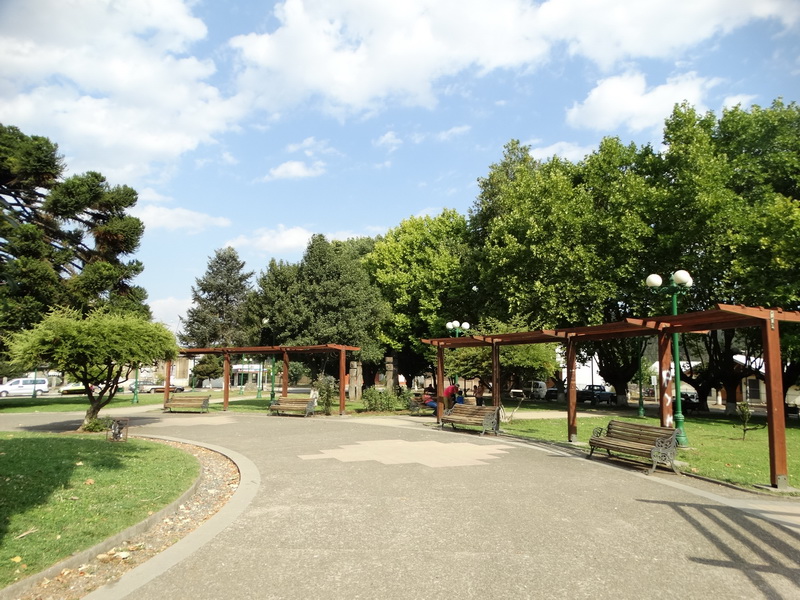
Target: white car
point(24, 386)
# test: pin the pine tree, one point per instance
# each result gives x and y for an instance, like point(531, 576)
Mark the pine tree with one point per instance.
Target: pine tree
point(217, 315)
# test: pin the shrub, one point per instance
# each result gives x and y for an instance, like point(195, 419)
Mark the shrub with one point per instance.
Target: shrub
point(376, 400)
point(327, 391)
point(99, 424)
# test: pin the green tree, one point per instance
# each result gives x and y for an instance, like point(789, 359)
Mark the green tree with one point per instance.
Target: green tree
point(327, 298)
point(62, 242)
point(216, 318)
point(101, 348)
point(419, 268)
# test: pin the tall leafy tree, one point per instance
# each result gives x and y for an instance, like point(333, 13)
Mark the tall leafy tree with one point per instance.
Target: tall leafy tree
point(420, 269)
point(327, 298)
point(63, 242)
point(217, 316)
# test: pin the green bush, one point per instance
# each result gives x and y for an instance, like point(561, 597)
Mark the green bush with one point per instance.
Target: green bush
point(99, 424)
point(327, 391)
point(376, 400)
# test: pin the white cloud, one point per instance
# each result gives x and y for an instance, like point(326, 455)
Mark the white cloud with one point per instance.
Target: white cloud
point(169, 310)
point(745, 100)
point(625, 100)
point(356, 55)
point(311, 147)
point(566, 150)
point(281, 240)
point(111, 83)
point(446, 136)
point(177, 219)
point(295, 169)
point(388, 140)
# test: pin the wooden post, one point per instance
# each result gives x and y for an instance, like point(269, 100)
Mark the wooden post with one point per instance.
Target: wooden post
point(776, 418)
point(439, 382)
point(285, 375)
point(572, 393)
point(495, 374)
point(226, 380)
point(167, 378)
point(342, 371)
point(664, 361)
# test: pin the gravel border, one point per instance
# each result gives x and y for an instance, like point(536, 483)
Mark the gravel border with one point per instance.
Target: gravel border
point(82, 573)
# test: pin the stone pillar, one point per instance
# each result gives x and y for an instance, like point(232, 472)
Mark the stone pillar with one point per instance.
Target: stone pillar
point(392, 380)
point(356, 381)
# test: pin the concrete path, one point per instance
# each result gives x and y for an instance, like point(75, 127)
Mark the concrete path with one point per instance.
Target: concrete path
point(394, 508)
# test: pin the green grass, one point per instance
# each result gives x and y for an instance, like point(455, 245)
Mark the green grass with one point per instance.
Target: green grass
point(716, 448)
point(60, 494)
point(18, 404)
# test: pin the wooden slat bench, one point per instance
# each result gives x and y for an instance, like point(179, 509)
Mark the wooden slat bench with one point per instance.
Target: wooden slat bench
point(656, 443)
point(416, 404)
point(486, 417)
point(294, 405)
point(187, 402)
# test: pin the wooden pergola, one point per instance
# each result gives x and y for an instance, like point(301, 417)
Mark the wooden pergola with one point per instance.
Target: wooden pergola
point(283, 351)
point(722, 317)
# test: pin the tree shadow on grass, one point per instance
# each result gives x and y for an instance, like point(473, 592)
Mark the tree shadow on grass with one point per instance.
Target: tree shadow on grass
point(32, 468)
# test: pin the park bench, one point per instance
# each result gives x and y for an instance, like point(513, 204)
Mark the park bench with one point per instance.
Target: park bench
point(486, 417)
point(187, 402)
point(656, 443)
point(416, 403)
point(294, 405)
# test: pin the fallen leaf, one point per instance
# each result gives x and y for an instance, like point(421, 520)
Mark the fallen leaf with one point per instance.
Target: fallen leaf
point(79, 464)
point(89, 482)
point(16, 559)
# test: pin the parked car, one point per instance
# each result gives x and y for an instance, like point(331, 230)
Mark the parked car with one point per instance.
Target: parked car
point(145, 386)
point(74, 389)
point(551, 393)
point(24, 386)
point(595, 394)
point(159, 389)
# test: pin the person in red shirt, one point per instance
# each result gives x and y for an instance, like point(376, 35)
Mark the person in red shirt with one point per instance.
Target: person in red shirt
point(451, 392)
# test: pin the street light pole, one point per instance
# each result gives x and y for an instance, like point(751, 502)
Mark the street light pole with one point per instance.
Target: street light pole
point(455, 329)
point(679, 283)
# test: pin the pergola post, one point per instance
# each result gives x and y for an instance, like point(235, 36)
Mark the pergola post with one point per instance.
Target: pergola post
point(776, 418)
point(285, 375)
point(495, 374)
point(342, 368)
point(439, 381)
point(664, 361)
point(167, 377)
point(226, 380)
point(572, 392)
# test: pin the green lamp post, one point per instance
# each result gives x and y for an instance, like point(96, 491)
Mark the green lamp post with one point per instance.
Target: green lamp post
point(457, 329)
point(679, 283)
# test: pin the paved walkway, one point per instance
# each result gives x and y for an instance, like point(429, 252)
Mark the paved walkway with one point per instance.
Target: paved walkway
point(394, 508)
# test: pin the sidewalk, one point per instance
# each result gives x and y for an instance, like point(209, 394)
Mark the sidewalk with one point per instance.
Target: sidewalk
point(390, 507)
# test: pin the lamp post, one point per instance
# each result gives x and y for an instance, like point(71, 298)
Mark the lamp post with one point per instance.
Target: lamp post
point(243, 373)
point(457, 329)
point(679, 283)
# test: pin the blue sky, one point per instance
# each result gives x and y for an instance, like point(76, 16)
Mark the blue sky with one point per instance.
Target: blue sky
point(256, 124)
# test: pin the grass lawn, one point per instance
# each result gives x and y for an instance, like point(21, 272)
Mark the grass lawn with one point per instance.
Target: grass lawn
point(60, 494)
point(18, 404)
point(716, 448)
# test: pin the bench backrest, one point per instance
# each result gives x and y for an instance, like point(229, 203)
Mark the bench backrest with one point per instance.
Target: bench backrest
point(637, 432)
point(472, 410)
point(188, 398)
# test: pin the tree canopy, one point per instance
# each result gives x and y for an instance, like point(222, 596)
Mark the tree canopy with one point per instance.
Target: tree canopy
point(101, 348)
point(63, 242)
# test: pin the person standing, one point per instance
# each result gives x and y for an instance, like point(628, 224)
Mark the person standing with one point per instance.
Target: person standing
point(478, 392)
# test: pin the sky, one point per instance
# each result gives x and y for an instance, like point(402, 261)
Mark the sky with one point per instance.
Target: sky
point(255, 124)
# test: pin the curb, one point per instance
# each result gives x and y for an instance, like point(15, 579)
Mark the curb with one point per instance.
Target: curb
point(74, 561)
